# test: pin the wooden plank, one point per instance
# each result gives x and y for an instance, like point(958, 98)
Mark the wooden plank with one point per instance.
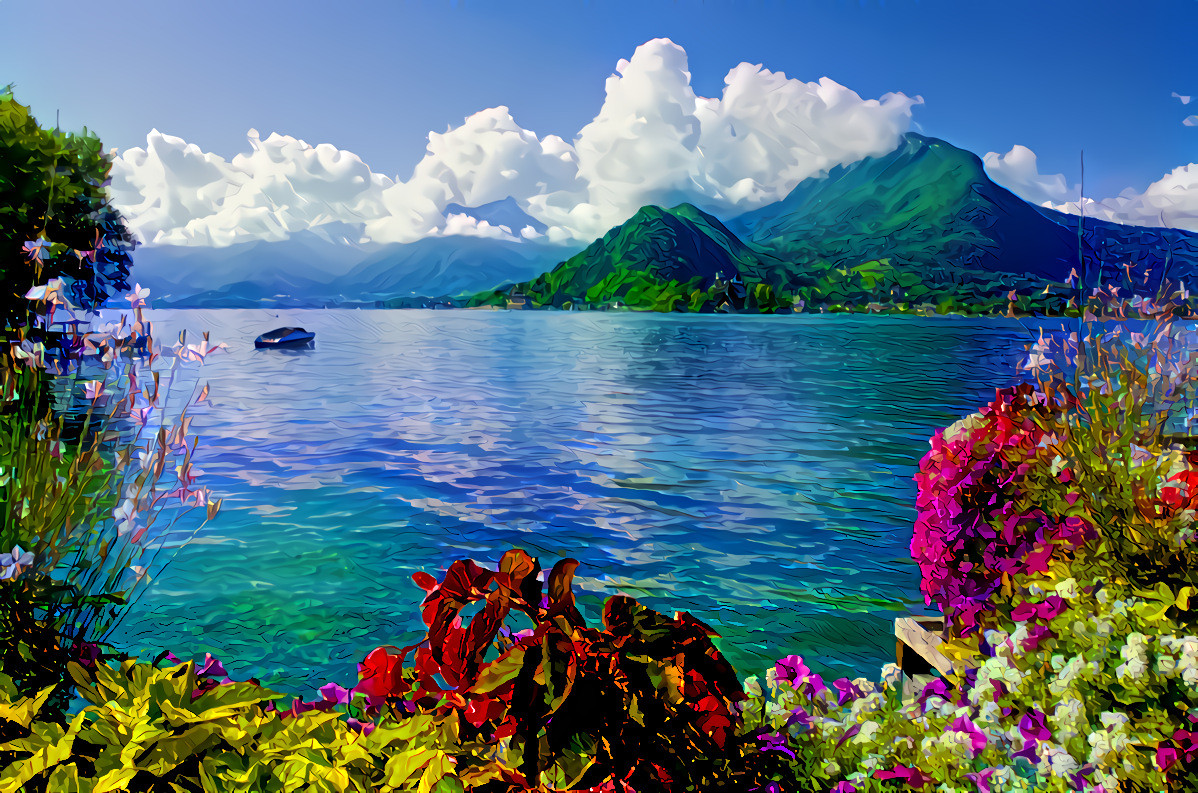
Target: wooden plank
point(914, 635)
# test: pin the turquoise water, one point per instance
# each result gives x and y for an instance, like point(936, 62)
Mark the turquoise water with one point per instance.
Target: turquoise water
point(753, 470)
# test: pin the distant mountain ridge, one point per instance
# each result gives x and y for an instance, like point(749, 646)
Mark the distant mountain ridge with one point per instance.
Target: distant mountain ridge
point(921, 223)
point(306, 271)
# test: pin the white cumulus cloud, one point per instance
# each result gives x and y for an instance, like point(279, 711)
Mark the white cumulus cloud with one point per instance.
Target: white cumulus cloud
point(1016, 170)
point(1170, 201)
point(652, 141)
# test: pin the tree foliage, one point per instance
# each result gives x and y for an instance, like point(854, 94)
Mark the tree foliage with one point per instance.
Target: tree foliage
point(52, 192)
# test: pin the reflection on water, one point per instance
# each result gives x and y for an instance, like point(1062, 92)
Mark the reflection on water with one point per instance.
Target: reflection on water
point(755, 471)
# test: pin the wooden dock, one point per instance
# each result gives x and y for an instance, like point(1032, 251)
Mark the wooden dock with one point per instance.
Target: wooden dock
point(917, 654)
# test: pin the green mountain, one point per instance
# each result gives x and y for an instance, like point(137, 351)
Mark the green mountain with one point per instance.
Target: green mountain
point(658, 258)
point(926, 205)
point(920, 227)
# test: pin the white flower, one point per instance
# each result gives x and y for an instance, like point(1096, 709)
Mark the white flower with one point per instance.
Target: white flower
point(996, 638)
point(892, 676)
point(867, 732)
point(870, 703)
point(125, 516)
point(1113, 719)
point(989, 712)
point(1056, 760)
point(137, 297)
point(1065, 677)
point(1134, 669)
point(1067, 589)
point(1018, 637)
point(753, 686)
point(51, 292)
point(1037, 360)
point(12, 562)
point(1103, 744)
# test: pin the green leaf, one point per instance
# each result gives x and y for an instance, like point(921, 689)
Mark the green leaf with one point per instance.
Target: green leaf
point(502, 670)
point(171, 750)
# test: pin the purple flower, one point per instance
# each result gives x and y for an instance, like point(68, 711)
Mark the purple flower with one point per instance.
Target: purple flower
point(774, 742)
point(813, 685)
point(1029, 751)
point(335, 693)
point(847, 691)
point(167, 655)
point(791, 668)
point(981, 779)
point(935, 688)
point(800, 716)
point(1033, 726)
point(1166, 756)
point(13, 562)
point(844, 787)
point(211, 667)
point(363, 727)
point(849, 733)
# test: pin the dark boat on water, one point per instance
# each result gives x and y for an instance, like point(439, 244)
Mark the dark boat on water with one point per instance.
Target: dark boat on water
point(284, 337)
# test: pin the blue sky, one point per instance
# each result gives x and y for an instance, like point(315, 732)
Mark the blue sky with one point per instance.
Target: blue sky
point(375, 77)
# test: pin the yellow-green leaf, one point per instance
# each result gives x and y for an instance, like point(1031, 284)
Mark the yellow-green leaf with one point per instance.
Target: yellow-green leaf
point(23, 711)
point(438, 768)
point(117, 779)
point(171, 750)
point(403, 766)
point(502, 670)
point(65, 779)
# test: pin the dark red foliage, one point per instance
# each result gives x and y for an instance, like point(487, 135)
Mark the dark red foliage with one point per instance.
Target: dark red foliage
point(643, 680)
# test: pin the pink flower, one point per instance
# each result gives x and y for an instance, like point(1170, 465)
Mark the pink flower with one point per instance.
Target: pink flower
point(981, 779)
point(977, 737)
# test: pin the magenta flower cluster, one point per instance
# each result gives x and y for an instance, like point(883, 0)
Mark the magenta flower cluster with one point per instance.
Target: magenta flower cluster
point(974, 520)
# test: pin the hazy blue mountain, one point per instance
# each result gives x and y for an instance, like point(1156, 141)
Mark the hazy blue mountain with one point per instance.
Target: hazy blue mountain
point(307, 271)
point(505, 212)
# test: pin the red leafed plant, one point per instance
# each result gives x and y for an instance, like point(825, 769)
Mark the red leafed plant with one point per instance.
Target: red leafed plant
point(646, 702)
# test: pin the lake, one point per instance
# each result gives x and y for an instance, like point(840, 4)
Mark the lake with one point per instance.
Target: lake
point(753, 470)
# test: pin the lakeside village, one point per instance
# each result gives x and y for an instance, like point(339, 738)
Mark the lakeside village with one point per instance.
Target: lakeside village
point(1055, 533)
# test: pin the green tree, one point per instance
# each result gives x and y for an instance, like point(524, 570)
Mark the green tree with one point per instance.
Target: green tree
point(52, 193)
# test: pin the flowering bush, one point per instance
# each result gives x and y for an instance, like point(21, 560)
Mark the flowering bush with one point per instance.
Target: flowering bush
point(994, 501)
point(1095, 698)
point(1056, 532)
